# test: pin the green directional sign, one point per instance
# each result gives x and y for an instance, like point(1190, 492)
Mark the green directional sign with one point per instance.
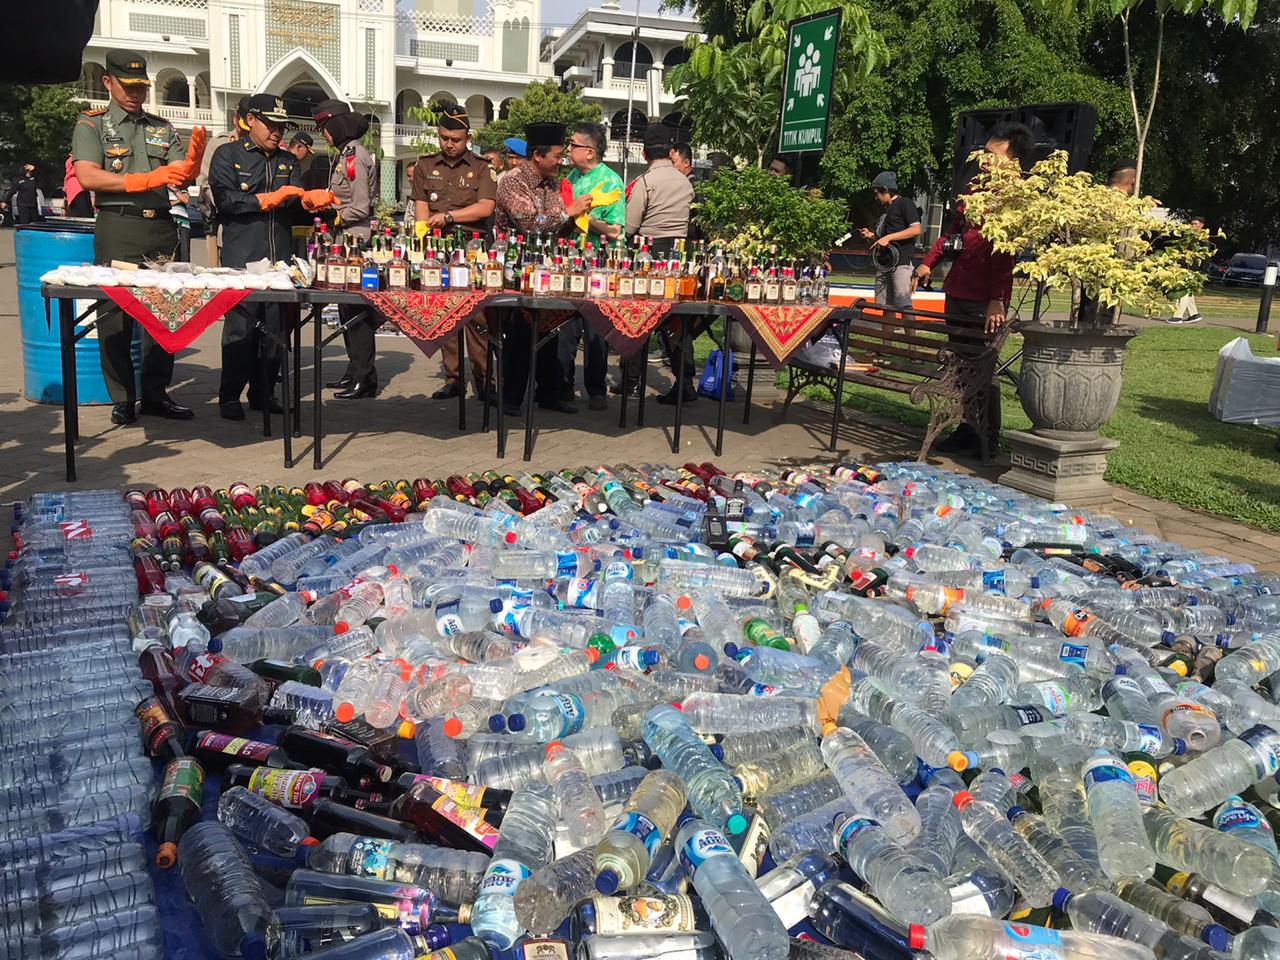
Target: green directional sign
point(812, 43)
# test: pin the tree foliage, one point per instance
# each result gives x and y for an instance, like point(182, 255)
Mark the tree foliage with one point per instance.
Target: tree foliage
point(1085, 237)
point(542, 102)
point(731, 91)
point(35, 125)
point(748, 211)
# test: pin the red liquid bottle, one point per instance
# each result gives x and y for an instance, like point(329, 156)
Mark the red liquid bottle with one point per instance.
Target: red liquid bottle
point(136, 500)
point(315, 494)
point(202, 497)
point(182, 503)
point(143, 525)
point(239, 542)
point(335, 491)
point(241, 496)
point(211, 520)
point(167, 525)
point(161, 736)
point(150, 576)
point(158, 502)
point(459, 487)
point(423, 492)
point(157, 666)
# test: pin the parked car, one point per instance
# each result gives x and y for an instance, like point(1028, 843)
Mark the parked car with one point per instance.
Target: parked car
point(1245, 270)
point(1215, 269)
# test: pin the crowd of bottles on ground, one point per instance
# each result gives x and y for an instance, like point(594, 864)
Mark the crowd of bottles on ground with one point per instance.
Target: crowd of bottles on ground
point(557, 267)
point(625, 713)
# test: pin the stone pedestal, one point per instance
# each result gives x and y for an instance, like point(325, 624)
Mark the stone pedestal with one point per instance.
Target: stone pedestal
point(1059, 470)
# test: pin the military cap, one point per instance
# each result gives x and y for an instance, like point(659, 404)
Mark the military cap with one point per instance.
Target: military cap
point(127, 66)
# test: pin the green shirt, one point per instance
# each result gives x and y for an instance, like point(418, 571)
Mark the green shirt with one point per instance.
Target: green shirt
point(600, 177)
point(121, 142)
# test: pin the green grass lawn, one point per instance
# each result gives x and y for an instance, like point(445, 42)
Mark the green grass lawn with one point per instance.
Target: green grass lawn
point(1170, 447)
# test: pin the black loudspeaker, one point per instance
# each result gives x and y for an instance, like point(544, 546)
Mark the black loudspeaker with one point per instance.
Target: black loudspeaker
point(1056, 126)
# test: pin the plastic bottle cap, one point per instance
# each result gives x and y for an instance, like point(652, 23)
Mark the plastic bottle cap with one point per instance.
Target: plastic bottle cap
point(961, 760)
point(308, 842)
point(702, 662)
point(167, 855)
point(1180, 747)
point(915, 937)
point(736, 824)
point(717, 751)
point(452, 727)
point(509, 538)
point(1216, 936)
point(497, 723)
point(341, 627)
point(593, 655)
point(1061, 897)
point(962, 799)
point(495, 605)
point(682, 602)
point(344, 712)
point(731, 650)
point(607, 882)
point(553, 748)
point(1014, 813)
point(215, 645)
point(407, 729)
point(515, 722)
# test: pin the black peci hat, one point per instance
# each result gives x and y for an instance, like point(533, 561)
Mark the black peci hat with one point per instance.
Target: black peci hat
point(539, 136)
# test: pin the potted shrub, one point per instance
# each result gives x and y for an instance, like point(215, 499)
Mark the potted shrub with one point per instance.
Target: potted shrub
point(1103, 250)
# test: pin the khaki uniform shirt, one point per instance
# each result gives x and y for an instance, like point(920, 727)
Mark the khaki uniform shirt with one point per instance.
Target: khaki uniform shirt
point(353, 178)
point(659, 203)
point(448, 185)
point(121, 142)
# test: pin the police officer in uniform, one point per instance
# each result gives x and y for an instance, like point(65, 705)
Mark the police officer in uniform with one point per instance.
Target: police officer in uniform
point(256, 186)
point(456, 188)
point(131, 159)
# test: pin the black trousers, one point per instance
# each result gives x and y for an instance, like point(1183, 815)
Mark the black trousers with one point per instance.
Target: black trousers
point(359, 340)
point(249, 340)
point(973, 313)
point(81, 206)
point(594, 368)
point(548, 374)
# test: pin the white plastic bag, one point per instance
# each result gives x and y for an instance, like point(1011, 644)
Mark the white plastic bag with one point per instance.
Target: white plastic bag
point(1246, 389)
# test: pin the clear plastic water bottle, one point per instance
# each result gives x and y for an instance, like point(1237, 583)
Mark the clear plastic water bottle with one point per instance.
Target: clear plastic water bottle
point(908, 887)
point(713, 793)
point(972, 937)
point(546, 897)
point(1116, 815)
point(1030, 872)
point(1229, 768)
point(622, 857)
point(1076, 873)
point(259, 822)
point(1101, 912)
point(740, 915)
point(226, 892)
point(580, 807)
point(452, 875)
point(869, 787)
point(1220, 858)
point(524, 844)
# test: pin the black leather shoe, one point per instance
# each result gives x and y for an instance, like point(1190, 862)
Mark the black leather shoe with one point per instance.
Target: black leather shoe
point(124, 413)
point(962, 440)
point(669, 398)
point(598, 403)
point(275, 405)
point(165, 407)
point(340, 384)
point(359, 389)
point(230, 410)
point(559, 406)
point(448, 392)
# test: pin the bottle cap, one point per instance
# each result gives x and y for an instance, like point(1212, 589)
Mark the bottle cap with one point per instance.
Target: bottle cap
point(452, 727)
point(345, 712)
point(1014, 813)
point(308, 842)
point(214, 645)
point(553, 748)
point(1216, 936)
point(717, 751)
point(407, 729)
point(702, 662)
point(341, 627)
point(682, 602)
point(1061, 897)
point(731, 650)
point(510, 537)
point(167, 855)
point(515, 722)
point(962, 760)
point(962, 799)
point(915, 937)
point(495, 605)
point(607, 882)
point(1179, 746)
point(497, 723)
point(736, 824)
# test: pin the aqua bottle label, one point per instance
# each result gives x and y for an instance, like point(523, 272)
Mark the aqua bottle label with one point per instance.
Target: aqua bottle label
point(849, 832)
point(640, 827)
point(701, 846)
point(1104, 770)
point(572, 713)
point(502, 877)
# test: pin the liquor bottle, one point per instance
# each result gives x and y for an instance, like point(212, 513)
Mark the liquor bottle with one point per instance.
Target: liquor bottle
point(493, 273)
point(626, 282)
point(772, 286)
point(328, 817)
point(459, 270)
point(334, 754)
point(735, 288)
point(475, 251)
point(597, 280)
point(671, 281)
point(177, 807)
point(755, 284)
point(512, 266)
point(689, 279)
point(370, 274)
point(718, 278)
point(643, 265)
point(804, 288)
point(442, 820)
point(432, 270)
point(219, 749)
point(657, 281)
point(788, 287)
point(294, 789)
point(821, 287)
point(397, 271)
point(557, 279)
point(161, 736)
point(577, 279)
point(355, 265)
point(415, 250)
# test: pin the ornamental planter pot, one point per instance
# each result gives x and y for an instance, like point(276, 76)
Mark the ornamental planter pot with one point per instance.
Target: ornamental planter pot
point(1069, 387)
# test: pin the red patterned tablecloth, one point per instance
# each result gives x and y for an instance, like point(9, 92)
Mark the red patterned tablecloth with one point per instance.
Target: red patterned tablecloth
point(174, 320)
point(426, 318)
point(780, 331)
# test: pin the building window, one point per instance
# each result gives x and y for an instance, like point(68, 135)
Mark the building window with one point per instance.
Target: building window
point(174, 26)
point(233, 45)
point(622, 61)
point(515, 45)
point(618, 125)
point(370, 62)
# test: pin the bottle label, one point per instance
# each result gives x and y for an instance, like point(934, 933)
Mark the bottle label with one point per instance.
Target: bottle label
point(463, 794)
point(755, 844)
point(76, 530)
point(156, 725)
point(368, 857)
point(1029, 714)
point(763, 690)
point(581, 593)
point(960, 672)
point(1073, 653)
point(642, 828)
point(577, 283)
point(1186, 706)
point(1104, 770)
point(556, 284)
point(543, 948)
point(202, 665)
point(626, 286)
point(397, 278)
point(850, 831)
point(618, 570)
point(1055, 696)
point(1264, 749)
point(1144, 781)
point(1026, 942)
point(234, 746)
point(571, 713)
point(656, 914)
point(657, 286)
point(1240, 818)
point(1120, 685)
point(296, 789)
point(1150, 738)
point(448, 619)
point(1076, 622)
point(701, 846)
point(566, 563)
point(432, 279)
point(502, 877)
point(469, 819)
point(493, 278)
point(993, 580)
point(183, 777)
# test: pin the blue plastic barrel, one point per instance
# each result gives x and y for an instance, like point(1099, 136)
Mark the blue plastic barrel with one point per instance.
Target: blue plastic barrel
point(38, 248)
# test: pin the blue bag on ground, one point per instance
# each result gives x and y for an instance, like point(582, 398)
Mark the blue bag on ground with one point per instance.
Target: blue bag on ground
point(709, 383)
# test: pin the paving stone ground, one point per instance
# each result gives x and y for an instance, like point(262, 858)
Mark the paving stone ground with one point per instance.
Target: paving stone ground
point(405, 434)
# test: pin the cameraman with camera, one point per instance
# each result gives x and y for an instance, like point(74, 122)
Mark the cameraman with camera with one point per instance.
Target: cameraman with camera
point(892, 242)
point(979, 284)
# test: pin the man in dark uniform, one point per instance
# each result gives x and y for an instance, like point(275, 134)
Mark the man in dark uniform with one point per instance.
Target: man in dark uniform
point(131, 159)
point(315, 173)
point(26, 196)
point(256, 186)
point(452, 188)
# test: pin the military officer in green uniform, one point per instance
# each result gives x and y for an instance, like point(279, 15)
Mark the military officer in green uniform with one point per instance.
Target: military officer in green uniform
point(130, 159)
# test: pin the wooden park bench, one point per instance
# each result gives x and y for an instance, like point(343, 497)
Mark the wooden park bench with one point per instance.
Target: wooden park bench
point(925, 355)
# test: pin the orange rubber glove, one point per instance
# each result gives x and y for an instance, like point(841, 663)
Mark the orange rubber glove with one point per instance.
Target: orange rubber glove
point(269, 201)
point(314, 200)
point(170, 175)
point(195, 153)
